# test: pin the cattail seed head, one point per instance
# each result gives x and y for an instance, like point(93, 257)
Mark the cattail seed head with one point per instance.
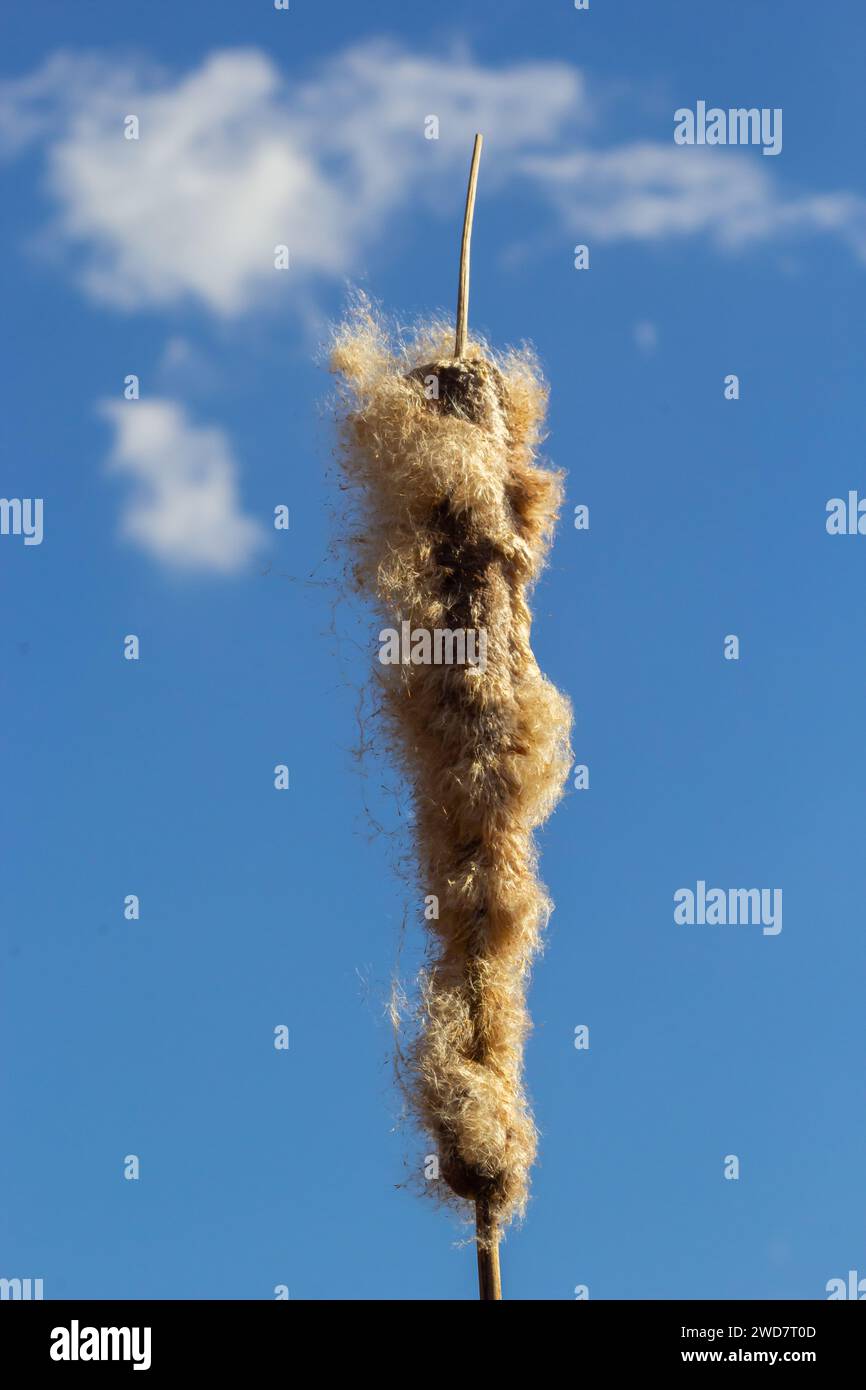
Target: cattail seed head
point(457, 519)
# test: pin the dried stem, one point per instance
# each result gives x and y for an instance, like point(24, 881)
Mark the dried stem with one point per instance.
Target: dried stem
point(487, 1237)
point(463, 285)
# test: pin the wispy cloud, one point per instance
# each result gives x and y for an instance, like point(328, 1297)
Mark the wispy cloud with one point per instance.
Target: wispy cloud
point(235, 158)
point(646, 336)
point(182, 508)
point(649, 191)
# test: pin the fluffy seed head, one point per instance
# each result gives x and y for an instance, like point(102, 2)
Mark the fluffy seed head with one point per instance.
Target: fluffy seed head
point(457, 519)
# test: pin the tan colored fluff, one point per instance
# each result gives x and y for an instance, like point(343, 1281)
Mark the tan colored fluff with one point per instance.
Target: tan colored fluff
point(458, 517)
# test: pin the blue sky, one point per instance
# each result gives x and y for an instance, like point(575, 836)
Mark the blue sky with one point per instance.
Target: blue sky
point(155, 777)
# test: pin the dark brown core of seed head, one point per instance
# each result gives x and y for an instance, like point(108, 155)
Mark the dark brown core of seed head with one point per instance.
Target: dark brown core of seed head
point(459, 388)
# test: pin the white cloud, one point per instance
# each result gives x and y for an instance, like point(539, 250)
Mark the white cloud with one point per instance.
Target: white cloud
point(183, 508)
point(184, 369)
point(649, 191)
point(232, 161)
point(235, 158)
point(646, 336)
